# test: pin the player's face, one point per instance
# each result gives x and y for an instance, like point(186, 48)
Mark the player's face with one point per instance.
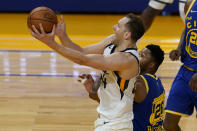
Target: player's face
point(120, 29)
point(145, 59)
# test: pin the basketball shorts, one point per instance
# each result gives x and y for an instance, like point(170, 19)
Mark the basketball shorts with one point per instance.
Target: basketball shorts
point(106, 125)
point(181, 99)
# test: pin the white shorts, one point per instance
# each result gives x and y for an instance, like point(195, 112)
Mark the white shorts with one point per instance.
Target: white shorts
point(104, 125)
point(104, 128)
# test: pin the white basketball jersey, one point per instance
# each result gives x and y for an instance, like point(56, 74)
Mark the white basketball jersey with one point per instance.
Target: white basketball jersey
point(116, 96)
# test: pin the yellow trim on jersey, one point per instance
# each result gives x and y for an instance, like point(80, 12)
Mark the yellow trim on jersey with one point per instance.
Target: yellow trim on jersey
point(122, 83)
point(189, 68)
point(176, 113)
point(146, 83)
point(190, 6)
point(152, 76)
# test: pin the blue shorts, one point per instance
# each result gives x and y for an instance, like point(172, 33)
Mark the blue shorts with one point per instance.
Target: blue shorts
point(181, 99)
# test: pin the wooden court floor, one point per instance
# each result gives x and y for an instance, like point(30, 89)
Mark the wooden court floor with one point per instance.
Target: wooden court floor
point(38, 87)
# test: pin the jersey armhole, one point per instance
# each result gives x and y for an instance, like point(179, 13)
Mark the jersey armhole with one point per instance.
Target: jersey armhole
point(146, 83)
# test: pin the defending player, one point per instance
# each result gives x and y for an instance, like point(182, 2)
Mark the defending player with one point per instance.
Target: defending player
point(183, 94)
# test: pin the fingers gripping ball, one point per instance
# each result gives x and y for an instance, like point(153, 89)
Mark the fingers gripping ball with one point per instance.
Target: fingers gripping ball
point(43, 15)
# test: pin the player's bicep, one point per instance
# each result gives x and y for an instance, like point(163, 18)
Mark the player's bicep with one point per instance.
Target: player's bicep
point(98, 48)
point(115, 62)
point(140, 89)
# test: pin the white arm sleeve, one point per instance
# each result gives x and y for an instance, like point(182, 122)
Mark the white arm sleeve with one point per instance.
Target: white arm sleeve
point(159, 4)
point(181, 9)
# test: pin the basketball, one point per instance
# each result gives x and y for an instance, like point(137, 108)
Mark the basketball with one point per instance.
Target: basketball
point(43, 15)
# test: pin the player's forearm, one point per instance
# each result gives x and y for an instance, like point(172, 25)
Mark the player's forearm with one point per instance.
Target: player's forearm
point(94, 96)
point(66, 41)
point(71, 54)
point(93, 93)
point(179, 48)
point(148, 16)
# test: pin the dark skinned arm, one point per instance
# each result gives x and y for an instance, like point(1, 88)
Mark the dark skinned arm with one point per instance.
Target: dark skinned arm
point(148, 16)
point(140, 90)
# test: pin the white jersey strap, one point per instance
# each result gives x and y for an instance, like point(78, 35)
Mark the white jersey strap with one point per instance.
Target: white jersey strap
point(133, 52)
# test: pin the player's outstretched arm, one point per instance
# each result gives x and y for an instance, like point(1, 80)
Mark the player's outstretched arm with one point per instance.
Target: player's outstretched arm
point(140, 90)
point(119, 61)
point(66, 41)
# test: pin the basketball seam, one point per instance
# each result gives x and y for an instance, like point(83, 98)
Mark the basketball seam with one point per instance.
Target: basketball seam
point(45, 20)
point(42, 19)
point(44, 10)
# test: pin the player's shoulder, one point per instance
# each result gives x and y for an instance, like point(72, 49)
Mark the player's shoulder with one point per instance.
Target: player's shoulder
point(132, 52)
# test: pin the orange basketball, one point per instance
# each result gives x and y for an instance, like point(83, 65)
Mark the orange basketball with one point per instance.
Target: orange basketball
point(42, 15)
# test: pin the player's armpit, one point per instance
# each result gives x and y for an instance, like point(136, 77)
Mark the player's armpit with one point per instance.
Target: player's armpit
point(140, 90)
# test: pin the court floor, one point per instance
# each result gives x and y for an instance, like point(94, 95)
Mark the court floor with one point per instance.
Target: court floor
point(38, 87)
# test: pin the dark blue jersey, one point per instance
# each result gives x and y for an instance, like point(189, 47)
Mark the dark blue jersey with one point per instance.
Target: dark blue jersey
point(189, 50)
point(148, 115)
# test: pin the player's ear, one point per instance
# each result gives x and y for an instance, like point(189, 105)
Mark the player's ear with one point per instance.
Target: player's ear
point(127, 35)
point(152, 65)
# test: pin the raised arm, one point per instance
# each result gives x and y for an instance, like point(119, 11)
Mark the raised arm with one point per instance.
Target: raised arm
point(119, 61)
point(148, 16)
point(67, 42)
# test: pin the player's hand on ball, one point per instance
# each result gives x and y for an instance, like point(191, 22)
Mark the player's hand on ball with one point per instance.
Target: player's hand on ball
point(87, 81)
point(193, 83)
point(42, 35)
point(60, 29)
point(174, 55)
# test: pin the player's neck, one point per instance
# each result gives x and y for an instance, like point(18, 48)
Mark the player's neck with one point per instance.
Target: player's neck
point(124, 45)
point(148, 72)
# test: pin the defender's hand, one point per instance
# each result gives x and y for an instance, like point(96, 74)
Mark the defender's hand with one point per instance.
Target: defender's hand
point(87, 81)
point(174, 55)
point(193, 83)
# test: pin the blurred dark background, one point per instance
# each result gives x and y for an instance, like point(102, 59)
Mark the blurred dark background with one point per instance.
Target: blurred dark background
point(83, 6)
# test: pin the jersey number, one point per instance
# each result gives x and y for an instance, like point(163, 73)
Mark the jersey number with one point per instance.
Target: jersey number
point(193, 38)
